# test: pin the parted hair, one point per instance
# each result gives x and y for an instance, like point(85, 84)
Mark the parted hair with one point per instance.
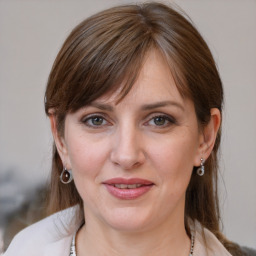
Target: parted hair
point(105, 52)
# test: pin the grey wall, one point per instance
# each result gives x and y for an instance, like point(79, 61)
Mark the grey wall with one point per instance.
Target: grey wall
point(31, 32)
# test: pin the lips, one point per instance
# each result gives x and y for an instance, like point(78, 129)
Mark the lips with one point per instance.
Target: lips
point(128, 189)
point(127, 186)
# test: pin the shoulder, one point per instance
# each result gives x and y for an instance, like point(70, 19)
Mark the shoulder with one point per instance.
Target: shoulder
point(206, 243)
point(54, 232)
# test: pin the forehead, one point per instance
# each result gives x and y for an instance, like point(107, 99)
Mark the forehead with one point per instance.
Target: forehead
point(155, 82)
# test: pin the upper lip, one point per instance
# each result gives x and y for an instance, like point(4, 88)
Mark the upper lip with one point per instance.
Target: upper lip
point(129, 181)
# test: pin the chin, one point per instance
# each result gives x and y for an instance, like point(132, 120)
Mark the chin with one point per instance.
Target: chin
point(128, 220)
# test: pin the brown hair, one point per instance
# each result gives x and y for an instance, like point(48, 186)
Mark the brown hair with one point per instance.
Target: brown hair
point(107, 50)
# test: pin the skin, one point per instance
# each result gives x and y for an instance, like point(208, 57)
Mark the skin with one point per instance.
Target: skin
point(151, 134)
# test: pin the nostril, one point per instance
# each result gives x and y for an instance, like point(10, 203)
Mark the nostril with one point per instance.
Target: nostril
point(128, 162)
point(136, 164)
point(127, 151)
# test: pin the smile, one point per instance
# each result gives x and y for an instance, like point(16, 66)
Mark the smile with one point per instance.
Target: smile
point(128, 189)
point(127, 186)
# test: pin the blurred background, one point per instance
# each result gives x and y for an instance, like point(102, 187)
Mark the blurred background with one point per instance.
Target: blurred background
point(32, 32)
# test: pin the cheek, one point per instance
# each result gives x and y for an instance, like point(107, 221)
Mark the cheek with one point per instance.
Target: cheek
point(86, 155)
point(174, 157)
point(87, 158)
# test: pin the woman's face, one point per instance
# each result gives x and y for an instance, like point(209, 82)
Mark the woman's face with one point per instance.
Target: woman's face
point(132, 161)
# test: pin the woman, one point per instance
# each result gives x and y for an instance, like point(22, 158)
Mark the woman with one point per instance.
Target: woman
point(134, 101)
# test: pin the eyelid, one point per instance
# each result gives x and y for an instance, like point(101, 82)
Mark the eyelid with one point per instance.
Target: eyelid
point(86, 118)
point(168, 117)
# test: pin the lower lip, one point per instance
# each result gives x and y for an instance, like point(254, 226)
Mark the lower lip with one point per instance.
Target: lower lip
point(129, 193)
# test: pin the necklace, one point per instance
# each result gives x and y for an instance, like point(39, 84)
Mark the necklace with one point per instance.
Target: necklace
point(73, 245)
point(192, 245)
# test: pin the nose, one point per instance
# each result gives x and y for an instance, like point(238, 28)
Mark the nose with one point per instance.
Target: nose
point(127, 151)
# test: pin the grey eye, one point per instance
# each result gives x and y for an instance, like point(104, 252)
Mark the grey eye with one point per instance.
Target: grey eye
point(97, 120)
point(160, 120)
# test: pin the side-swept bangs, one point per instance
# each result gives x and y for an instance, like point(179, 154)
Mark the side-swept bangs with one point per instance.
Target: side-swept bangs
point(107, 51)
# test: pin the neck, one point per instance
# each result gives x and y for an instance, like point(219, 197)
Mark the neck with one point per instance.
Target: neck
point(168, 239)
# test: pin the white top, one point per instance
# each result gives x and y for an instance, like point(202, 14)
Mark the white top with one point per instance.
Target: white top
point(52, 236)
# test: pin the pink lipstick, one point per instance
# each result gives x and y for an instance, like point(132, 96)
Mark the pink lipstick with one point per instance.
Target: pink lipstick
point(128, 189)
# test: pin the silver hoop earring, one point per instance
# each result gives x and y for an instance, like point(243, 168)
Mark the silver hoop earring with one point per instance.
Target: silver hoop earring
point(66, 176)
point(200, 170)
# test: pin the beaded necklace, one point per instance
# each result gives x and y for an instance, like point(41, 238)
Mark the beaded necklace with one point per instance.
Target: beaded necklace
point(73, 245)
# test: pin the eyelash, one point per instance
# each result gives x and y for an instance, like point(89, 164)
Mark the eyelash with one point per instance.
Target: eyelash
point(93, 117)
point(168, 121)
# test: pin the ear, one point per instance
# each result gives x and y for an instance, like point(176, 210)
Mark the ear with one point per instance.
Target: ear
point(208, 136)
point(59, 140)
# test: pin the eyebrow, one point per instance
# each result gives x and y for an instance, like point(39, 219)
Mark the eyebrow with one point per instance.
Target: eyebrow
point(145, 107)
point(101, 106)
point(162, 104)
